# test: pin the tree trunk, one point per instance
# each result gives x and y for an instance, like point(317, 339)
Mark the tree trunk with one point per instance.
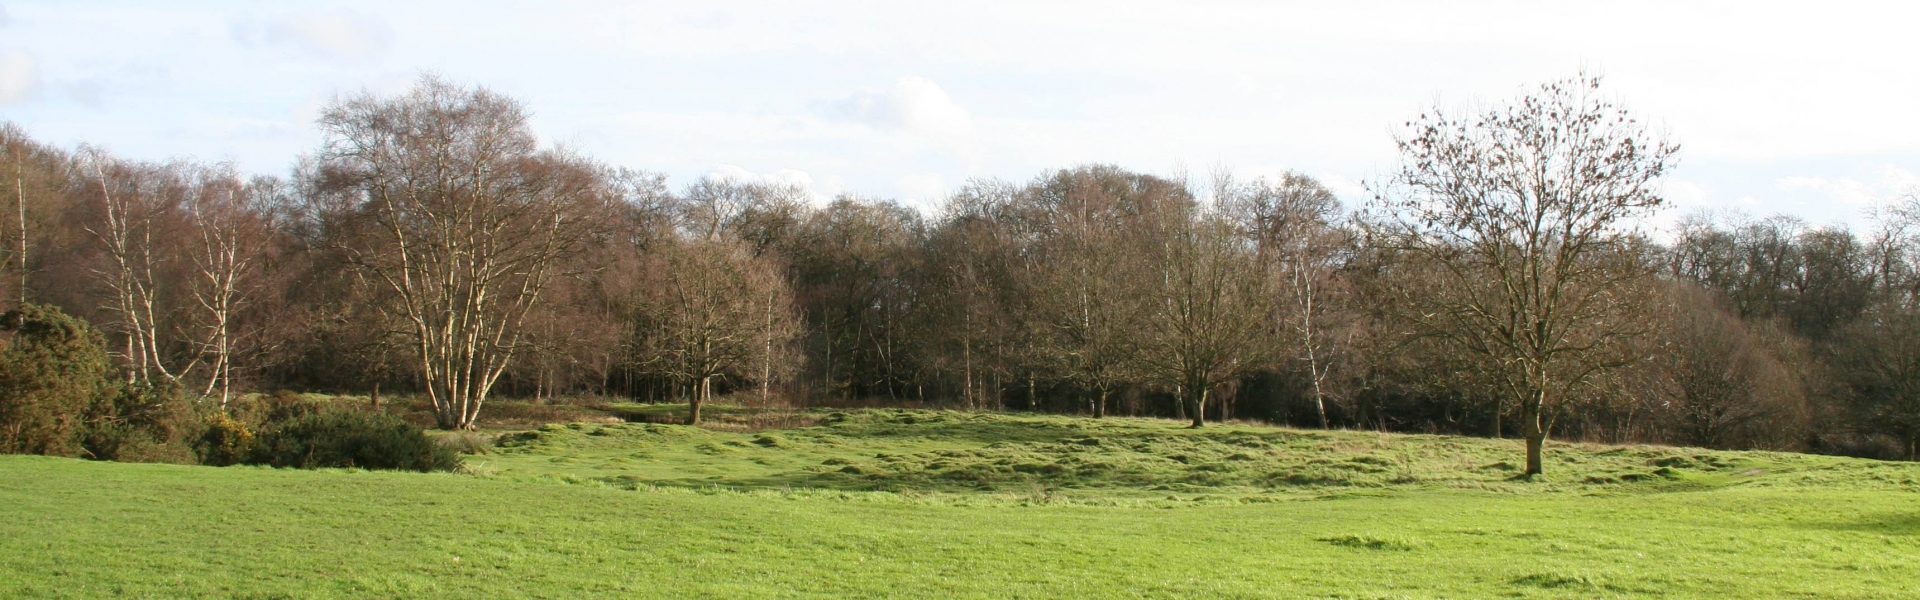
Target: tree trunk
point(20, 205)
point(1197, 406)
point(1534, 444)
point(374, 398)
point(1535, 433)
point(1033, 401)
point(1100, 404)
point(699, 397)
point(1320, 405)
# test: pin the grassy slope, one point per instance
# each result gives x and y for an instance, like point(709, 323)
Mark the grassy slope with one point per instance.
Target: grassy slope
point(985, 506)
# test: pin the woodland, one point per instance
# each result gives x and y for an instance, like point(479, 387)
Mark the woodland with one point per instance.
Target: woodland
point(1502, 281)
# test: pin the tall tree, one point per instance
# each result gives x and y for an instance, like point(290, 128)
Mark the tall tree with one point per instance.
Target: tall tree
point(133, 220)
point(1522, 212)
point(1295, 223)
point(1092, 267)
point(230, 241)
point(1208, 320)
point(460, 214)
point(970, 291)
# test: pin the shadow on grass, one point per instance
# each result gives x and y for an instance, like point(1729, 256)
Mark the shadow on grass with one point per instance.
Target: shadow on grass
point(1900, 524)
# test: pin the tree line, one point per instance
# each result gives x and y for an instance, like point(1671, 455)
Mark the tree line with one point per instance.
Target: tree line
point(1497, 283)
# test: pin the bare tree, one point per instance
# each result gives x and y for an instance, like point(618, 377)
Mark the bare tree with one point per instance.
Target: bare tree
point(1729, 384)
point(716, 312)
point(1208, 320)
point(1091, 270)
point(1295, 222)
point(1520, 216)
point(231, 240)
point(970, 290)
point(746, 210)
point(463, 218)
point(134, 210)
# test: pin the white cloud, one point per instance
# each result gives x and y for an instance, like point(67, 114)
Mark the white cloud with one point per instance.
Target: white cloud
point(819, 192)
point(1687, 194)
point(19, 80)
point(346, 37)
point(923, 188)
point(1892, 181)
point(5, 19)
point(914, 104)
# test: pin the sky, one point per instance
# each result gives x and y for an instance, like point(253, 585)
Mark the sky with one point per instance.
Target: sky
point(1805, 109)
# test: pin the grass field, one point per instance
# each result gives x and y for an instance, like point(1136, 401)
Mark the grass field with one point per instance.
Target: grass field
point(890, 503)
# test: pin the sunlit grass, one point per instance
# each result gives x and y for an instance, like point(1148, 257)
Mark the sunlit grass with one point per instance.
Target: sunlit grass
point(887, 503)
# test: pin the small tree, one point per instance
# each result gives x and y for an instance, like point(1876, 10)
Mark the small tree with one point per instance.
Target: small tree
point(715, 312)
point(1518, 218)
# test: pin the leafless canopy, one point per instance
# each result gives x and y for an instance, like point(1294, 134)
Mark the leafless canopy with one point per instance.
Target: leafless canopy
point(463, 218)
point(1515, 224)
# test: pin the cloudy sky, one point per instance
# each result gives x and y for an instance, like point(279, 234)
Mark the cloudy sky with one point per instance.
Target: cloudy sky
point(1809, 109)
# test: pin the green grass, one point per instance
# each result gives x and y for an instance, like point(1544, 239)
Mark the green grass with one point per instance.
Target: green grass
point(885, 503)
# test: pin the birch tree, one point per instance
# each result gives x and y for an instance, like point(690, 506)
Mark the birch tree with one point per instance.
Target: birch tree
point(229, 242)
point(128, 221)
point(463, 218)
point(1295, 223)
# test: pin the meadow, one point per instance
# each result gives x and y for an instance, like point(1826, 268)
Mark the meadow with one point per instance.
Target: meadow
point(880, 503)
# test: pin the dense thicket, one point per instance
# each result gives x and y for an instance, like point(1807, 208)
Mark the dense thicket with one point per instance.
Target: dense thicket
point(431, 247)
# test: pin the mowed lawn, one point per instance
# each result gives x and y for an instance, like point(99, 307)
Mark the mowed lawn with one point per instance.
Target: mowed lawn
point(1106, 521)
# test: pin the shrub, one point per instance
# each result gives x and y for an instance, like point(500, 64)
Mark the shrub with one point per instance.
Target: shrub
point(142, 422)
point(345, 438)
point(226, 441)
point(52, 369)
point(286, 405)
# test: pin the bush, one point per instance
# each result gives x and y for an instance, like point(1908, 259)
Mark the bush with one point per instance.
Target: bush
point(227, 441)
point(346, 438)
point(143, 422)
point(51, 371)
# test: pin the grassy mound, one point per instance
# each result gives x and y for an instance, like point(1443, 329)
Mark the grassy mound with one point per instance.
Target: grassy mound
point(1083, 459)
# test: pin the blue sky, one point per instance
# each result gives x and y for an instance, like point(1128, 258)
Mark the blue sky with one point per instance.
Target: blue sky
point(1808, 109)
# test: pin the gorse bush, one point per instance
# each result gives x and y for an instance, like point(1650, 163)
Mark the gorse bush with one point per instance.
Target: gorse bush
point(52, 370)
point(348, 438)
point(226, 441)
point(143, 422)
point(58, 396)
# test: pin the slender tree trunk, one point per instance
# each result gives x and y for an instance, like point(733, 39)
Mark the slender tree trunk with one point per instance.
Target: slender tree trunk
point(1305, 290)
point(20, 206)
point(1033, 401)
point(766, 371)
